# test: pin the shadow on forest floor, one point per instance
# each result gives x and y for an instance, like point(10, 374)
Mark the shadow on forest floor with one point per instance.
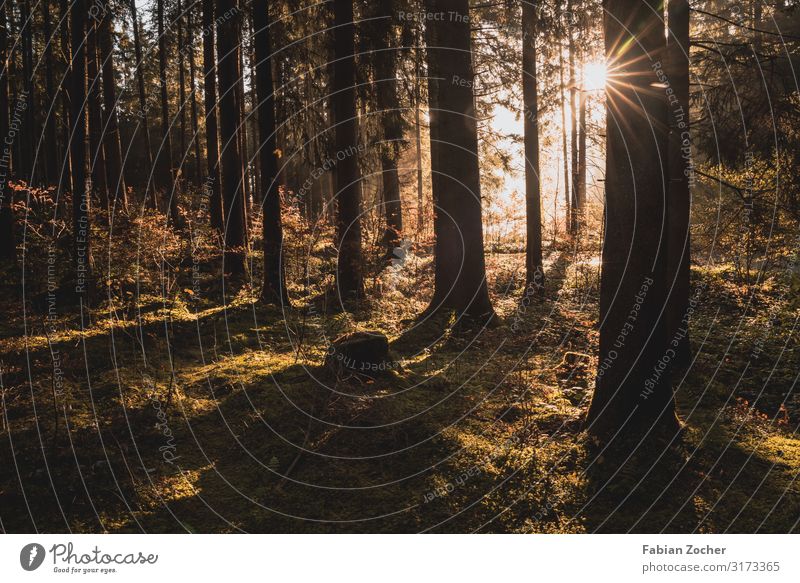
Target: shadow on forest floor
point(223, 421)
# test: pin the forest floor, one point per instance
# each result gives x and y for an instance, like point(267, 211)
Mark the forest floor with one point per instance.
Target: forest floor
point(201, 418)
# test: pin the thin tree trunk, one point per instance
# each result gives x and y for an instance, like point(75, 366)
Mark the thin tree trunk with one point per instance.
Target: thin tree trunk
point(633, 390)
point(392, 126)
point(534, 266)
point(26, 169)
point(573, 110)
point(8, 244)
point(65, 171)
point(50, 146)
point(165, 156)
point(349, 277)
point(181, 94)
point(232, 179)
point(460, 282)
point(111, 137)
point(193, 89)
point(151, 192)
point(565, 145)
point(97, 160)
point(210, 101)
point(274, 290)
point(680, 165)
point(79, 17)
point(418, 131)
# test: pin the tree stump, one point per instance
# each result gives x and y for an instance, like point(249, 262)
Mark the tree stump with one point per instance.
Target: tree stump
point(360, 352)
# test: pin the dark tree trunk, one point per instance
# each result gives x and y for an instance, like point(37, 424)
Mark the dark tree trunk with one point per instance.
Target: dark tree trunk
point(242, 133)
point(8, 244)
point(418, 128)
point(460, 281)
point(151, 193)
point(193, 91)
point(680, 171)
point(25, 170)
point(50, 146)
point(565, 147)
point(392, 125)
point(181, 94)
point(210, 95)
point(349, 277)
point(165, 155)
point(274, 290)
point(232, 179)
point(633, 390)
point(65, 170)
point(581, 191)
point(111, 138)
point(573, 118)
point(79, 18)
point(97, 160)
point(534, 269)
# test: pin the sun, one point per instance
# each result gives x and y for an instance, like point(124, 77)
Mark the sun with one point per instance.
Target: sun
point(594, 76)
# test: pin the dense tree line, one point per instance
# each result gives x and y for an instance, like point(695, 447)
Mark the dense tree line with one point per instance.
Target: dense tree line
point(322, 106)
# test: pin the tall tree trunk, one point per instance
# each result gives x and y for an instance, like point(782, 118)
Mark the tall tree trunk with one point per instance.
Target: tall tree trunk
point(565, 145)
point(460, 282)
point(534, 266)
point(581, 191)
point(573, 120)
point(680, 165)
point(50, 146)
point(97, 160)
point(65, 170)
point(392, 126)
point(79, 18)
point(210, 101)
point(181, 94)
point(242, 133)
point(274, 290)
point(193, 89)
point(349, 277)
point(151, 193)
point(111, 137)
point(8, 244)
point(165, 156)
point(633, 390)
point(26, 169)
point(232, 179)
point(418, 130)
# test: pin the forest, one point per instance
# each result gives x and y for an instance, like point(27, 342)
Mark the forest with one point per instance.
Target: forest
point(399, 266)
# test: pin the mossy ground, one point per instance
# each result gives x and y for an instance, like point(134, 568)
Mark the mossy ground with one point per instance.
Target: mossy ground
point(186, 416)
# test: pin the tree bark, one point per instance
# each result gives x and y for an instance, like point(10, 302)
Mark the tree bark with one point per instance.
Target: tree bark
point(680, 165)
point(349, 277)
point(460, 281)
point(534, 268)
point(232, 179)
point(165, 155)
point(79, 18)
point(50, 149)
point(193, 92)
point(392, 125)
point(26, 169)
point(274, 290)
point(151, 192)
point(8, 244)
point(97, 160)
point(573, 122)
point(565, 146)
point(633, 390)
point(111, 138)
point(210, 101)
